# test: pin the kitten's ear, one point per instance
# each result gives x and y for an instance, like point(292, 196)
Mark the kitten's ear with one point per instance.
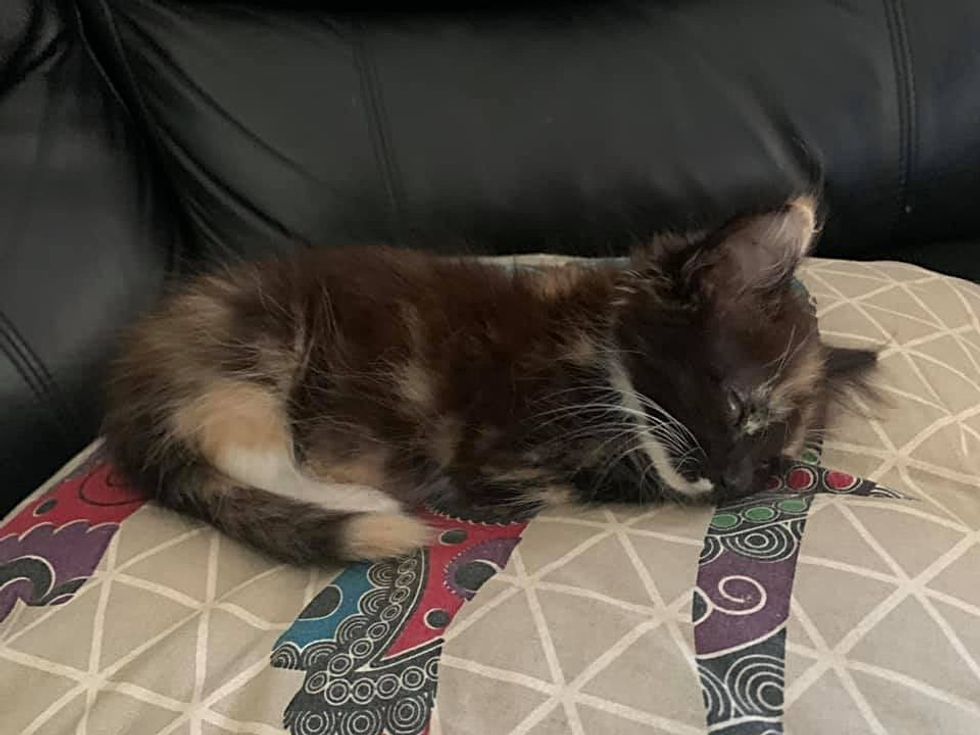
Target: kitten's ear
point(757, 253)
point(751, 254)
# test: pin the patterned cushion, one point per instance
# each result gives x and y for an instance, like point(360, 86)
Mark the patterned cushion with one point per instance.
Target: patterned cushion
point(826, 604)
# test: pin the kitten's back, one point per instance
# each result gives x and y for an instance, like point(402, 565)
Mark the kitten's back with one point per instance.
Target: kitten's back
point(198, 409)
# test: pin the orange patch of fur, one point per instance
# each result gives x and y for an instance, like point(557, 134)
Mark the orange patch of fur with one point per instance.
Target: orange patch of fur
point(233, 414)
point(366, 467)
point(445, 439)
point(415, 386)
point(382, 535)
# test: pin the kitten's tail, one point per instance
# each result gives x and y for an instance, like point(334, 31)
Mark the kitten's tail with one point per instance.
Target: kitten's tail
point(302, 533)
point(283, 528)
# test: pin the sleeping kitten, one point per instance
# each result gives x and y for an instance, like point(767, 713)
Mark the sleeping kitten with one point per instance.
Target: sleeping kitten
point(305, 406)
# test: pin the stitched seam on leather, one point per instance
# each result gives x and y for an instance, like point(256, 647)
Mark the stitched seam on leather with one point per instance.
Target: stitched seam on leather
point(378, 130)
point(178, 150)
point(34, 374)
point(127, 69)
point(177, 246)
point(97, 62)
point(21, 356)
point(906, 101)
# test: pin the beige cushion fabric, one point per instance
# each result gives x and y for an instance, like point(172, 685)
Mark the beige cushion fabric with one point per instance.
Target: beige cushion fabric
point(588, 629)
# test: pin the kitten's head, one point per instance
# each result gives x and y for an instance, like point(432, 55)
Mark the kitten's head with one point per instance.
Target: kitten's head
point(720, 353)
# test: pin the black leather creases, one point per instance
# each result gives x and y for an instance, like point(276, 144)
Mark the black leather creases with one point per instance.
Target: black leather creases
point(571, 127)
point(906, 107)
point(385, 155)
point(37, 378)
point(85, 239)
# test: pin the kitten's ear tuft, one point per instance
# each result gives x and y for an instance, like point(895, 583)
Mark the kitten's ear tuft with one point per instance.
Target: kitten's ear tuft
point(761, 252)
point(751, 254)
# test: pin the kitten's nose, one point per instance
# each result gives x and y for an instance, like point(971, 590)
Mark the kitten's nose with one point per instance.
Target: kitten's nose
point(738, 477)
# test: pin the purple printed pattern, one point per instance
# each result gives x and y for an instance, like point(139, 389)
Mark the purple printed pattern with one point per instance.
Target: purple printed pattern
point(742, 597)
point(47, 565)
point(54, 543)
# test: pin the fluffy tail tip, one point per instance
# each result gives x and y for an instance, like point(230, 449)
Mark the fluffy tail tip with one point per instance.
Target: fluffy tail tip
point(372, 536)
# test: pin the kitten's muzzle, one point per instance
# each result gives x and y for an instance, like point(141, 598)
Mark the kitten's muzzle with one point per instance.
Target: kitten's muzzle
point(742, 477)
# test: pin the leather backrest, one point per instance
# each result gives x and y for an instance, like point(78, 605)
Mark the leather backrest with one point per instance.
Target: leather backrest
point(85, 240)
point(576, 127)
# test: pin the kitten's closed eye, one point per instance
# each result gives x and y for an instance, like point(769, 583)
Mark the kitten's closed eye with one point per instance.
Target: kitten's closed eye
point(736, 407)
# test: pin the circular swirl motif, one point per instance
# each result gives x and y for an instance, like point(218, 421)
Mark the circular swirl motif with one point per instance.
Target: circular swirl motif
point(716, 699)
point(756, 683)
point(840, 482)
point(364, 722)
point(408, 715)
point(286, 656)
point(362, 648)
point(744, 595)
point(313, 723)
point(390, 613)
point(377, 631)
point(340, 664)
point(759, 514)
point(338, 692)
point(362, 691)
point(373, 603)
point(432, 668)
point(801, 479)
point(793, 505)
point(316, 682)
point(381, 574)
point(412, 678)
point(724, 521)
point(387, 686)
point(351, 629)
point(711, 550)
point(770, 543)
point(317, 652)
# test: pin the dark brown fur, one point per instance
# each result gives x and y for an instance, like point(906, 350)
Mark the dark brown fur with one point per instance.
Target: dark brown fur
point(483, 391)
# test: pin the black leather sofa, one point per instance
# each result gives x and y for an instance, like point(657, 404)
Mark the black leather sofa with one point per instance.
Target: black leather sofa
point(144, 138)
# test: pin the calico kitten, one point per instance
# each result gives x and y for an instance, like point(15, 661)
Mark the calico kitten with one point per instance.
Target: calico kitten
point(306, 405)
